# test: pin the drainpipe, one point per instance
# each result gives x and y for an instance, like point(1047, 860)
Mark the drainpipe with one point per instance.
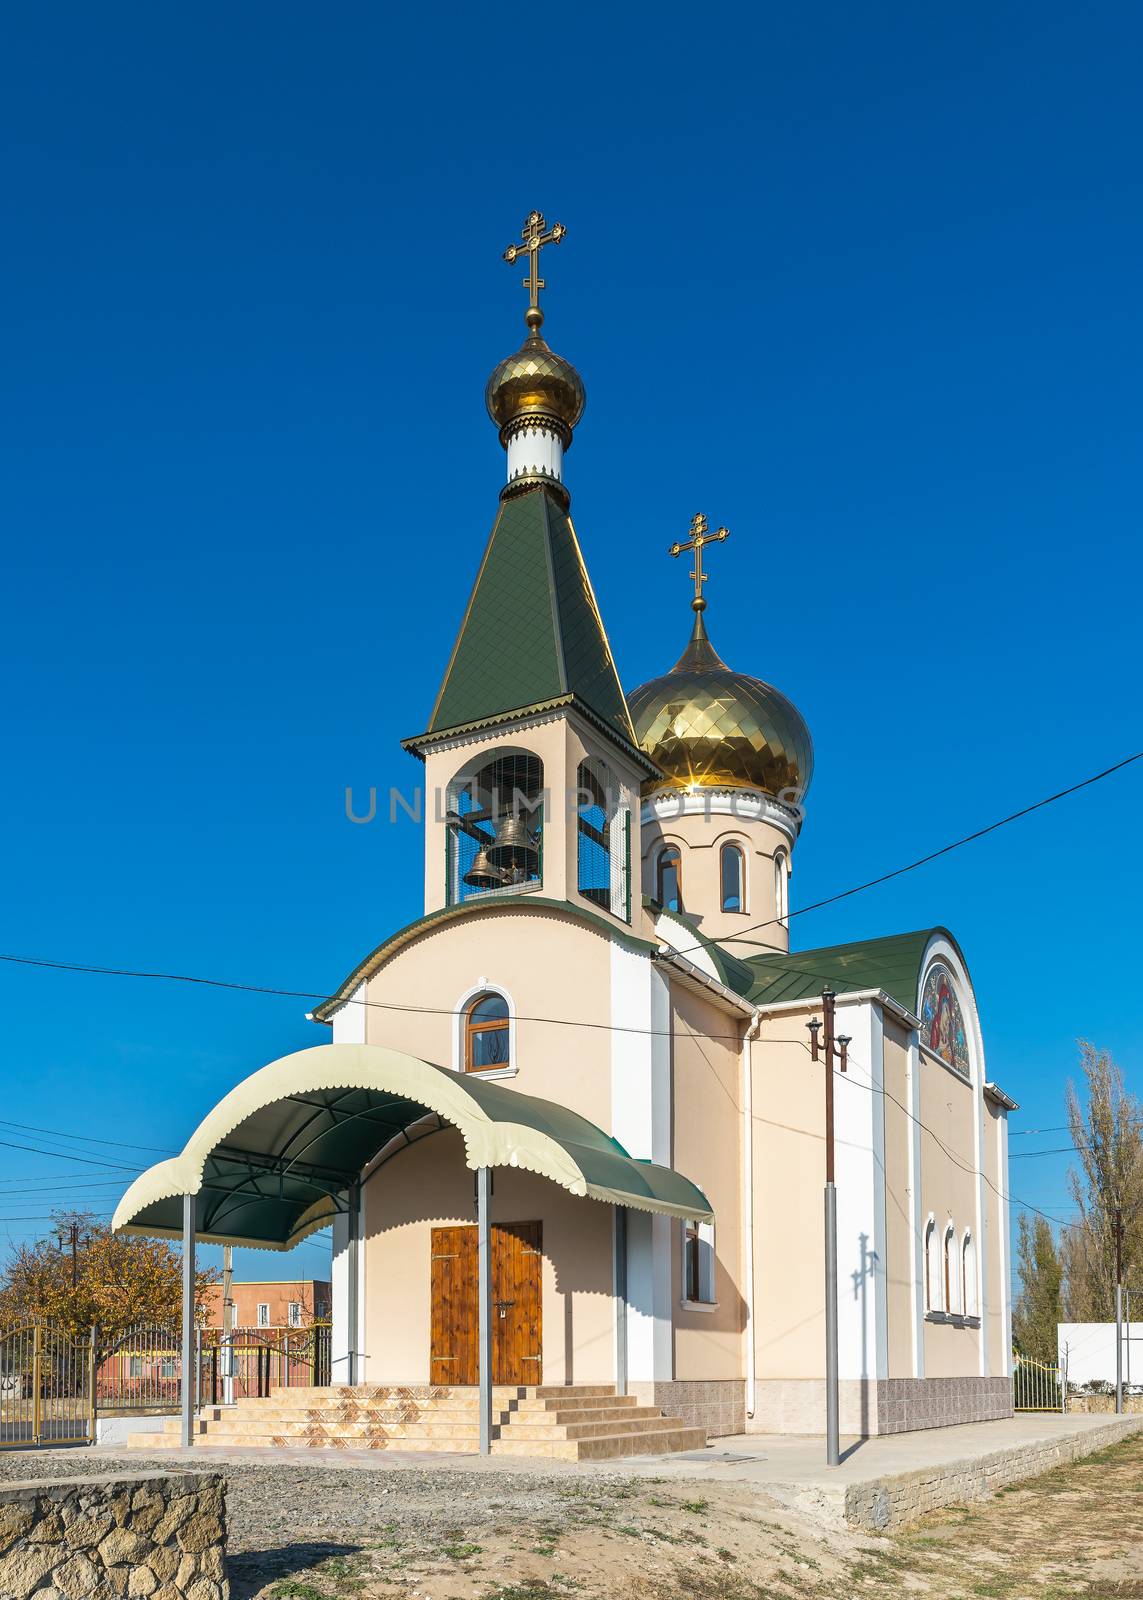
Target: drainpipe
point(750, 1034)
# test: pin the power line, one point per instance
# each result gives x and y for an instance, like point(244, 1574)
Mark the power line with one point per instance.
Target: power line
point(87, 1138)
point(933, 855)
point(87, 1161)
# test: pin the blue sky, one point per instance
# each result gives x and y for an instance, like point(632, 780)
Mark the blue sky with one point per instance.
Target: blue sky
point(861, 283)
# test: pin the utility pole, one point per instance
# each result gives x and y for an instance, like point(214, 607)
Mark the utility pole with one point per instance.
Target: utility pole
point(1119, 1311)
point(228, 1324)
point(831, 1050)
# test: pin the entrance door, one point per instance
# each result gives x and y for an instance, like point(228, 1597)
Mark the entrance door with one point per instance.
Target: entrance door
point(516, 1305)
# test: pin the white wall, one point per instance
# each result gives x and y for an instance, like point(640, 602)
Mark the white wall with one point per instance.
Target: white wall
point(1090, 1350)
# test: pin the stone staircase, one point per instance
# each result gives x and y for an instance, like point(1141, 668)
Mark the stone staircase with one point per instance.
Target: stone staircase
point(579, 1422)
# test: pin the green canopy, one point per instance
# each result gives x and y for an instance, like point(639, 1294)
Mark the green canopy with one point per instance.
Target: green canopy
point(272, 1161)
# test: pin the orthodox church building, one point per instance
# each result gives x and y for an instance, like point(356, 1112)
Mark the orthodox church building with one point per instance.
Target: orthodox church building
point(598, 1042)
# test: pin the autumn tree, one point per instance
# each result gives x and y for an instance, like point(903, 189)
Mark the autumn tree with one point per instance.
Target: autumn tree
point(1038, 1305)
point(119, 1280)
point(1106, 1186)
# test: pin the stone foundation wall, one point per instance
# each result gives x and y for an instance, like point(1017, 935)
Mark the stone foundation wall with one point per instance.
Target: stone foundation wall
point(893, 1502)
point(873, 1406)
point(719, 1407)
point(138, 1535)
point(1104, 1404)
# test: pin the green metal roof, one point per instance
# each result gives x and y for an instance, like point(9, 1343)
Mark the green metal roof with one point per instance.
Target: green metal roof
point(532, 631)
point(892, 964)
point(388, 947)
point(271, 1163)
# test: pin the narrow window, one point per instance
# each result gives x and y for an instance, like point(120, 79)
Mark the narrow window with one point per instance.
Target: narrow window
point(733, 878)
point(263, 1314)
point(294, 1314)
point(951, 1273)
point(136, 1367)
point(968, 1263)
point(669, 879)
point(698, 1263)
point(486, 1034)
point(593, 828)
point(781, 887)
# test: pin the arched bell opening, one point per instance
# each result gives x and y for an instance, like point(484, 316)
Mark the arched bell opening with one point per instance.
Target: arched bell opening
point(495, 825)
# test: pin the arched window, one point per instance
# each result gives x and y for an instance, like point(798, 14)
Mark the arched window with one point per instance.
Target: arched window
point(781, 887)
point(732, 865)
point(486, 1034)
point(968, 1276)
point(495, 826)
point(603, 839)
point(952, 1272)
point(669, 879)
point(932, 1268)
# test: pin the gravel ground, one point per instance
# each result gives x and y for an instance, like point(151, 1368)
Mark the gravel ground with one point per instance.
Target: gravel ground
point(411, 1532)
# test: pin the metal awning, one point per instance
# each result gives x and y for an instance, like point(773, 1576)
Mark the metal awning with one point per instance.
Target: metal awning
point(271, 1163)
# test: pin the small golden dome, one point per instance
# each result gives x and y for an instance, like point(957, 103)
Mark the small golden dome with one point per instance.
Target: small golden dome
point(709, 727)
point(535, 383)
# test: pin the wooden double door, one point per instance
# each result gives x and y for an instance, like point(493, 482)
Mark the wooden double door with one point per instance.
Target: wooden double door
point(517, 1350)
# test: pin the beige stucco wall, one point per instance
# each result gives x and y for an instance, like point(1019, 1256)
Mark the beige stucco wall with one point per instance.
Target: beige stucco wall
point(899, 1228)
point(708, 1148)
point(948, 1190)
point(550, 966)
point(789, 1171)
point(700, 839)
point(429, 1186)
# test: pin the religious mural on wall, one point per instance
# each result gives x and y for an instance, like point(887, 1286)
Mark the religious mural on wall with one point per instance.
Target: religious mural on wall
point(942, 1021)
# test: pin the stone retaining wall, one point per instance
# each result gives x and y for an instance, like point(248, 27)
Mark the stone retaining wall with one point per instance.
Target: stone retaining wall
point(145, 1536)
point(1098, 1404)
point(890, 1502)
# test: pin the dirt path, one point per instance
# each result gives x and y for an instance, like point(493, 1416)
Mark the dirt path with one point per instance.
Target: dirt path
point(302, 1532)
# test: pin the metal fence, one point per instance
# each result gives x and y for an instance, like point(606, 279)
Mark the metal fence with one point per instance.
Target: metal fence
point(249, 1362)
point(1039, 1386)
point(142, 1369)
point(47, 1392)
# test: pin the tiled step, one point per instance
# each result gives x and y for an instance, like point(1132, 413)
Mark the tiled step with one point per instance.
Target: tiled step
point(656, 1423)
point(605, 1447)
point(268, 1441)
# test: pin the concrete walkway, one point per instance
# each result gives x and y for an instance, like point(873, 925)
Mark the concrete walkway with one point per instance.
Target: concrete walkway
point(881, 1483)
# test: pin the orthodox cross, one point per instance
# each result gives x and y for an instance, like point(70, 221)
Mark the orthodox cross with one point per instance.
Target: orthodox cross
point(535, 238)
point(699, 537)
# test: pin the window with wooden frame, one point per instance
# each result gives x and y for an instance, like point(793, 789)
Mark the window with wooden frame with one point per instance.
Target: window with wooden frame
point(486, 1046)
point(732, 873)
point(669, 878)
point(952, 1273)
point(968, 1275)
point(698, 1263)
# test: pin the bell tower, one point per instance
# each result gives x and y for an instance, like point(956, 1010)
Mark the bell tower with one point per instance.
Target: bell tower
point(532, 770)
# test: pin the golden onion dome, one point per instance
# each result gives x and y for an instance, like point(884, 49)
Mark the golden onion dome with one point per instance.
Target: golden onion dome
point(709, 727)
point(535, 383)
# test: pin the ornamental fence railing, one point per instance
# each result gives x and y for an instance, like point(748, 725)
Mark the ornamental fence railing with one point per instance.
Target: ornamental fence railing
point(46, 1386)
point(1039, 1386)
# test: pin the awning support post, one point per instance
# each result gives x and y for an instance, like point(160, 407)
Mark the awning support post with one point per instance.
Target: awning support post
point(352, 1298)
point(484, 1298)
point(620, 1216)
point(188, 1322)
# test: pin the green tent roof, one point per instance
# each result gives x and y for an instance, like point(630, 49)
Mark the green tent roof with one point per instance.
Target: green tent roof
point(532, 631)
point(271, 1162)
point(892, 964)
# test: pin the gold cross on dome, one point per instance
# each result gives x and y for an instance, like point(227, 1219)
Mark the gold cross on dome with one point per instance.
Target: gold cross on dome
point(535, 238)
point(699, 537)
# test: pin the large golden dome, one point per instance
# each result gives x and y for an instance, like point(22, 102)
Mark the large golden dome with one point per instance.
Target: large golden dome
point(709, 727)
point(535, 383)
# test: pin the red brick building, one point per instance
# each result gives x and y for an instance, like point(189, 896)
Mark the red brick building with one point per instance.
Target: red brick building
point(273, 1303)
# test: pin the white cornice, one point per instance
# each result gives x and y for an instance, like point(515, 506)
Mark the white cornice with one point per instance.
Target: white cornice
point(744, 805)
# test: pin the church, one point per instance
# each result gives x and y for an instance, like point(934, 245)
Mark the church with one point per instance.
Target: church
point(569, 1126)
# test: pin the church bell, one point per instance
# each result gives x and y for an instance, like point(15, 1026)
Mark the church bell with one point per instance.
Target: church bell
point(514, 848)
point(482, 874)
